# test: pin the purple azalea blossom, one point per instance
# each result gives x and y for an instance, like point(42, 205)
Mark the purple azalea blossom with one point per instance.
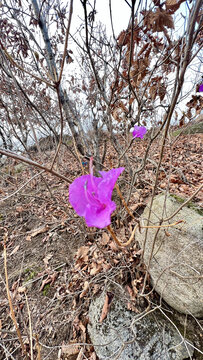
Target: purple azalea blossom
point(139, 131)
point(201, 88)
point(90, 196)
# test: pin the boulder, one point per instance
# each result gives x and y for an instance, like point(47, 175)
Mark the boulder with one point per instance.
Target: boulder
point(125, 335)
point(176, 264)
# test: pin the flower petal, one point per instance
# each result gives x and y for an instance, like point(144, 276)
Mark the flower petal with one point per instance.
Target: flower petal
point(201, 88)
point(139, 131)
point(77, 196)
point(90, 197)
point(105, 187)
point(99, 218)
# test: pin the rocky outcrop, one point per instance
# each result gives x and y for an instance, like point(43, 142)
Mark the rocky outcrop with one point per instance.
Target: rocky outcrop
point(176, 264)
point(125, 335)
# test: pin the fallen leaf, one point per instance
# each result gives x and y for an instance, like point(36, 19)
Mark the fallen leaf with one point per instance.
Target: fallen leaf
point(85, 289)
point(19, 209)
point(82, 252)
point(21, 289)
point(106, 307)
point(106, 267)
point(47, 258)
point(95, 269)
point(40, 230)
point(69, 350)
point(80, 355)
point(15, 250)
point(93, 356)
point(104, 239)
point(113, 246)
point(50, 279)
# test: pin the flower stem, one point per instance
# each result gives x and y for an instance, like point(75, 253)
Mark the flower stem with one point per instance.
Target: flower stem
point(124, 203)
point(109, 228)
point(127, 243)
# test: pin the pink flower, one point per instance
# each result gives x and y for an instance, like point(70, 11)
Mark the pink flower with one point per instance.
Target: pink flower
point(90, 196)
point(139, 131)
point(201, 88)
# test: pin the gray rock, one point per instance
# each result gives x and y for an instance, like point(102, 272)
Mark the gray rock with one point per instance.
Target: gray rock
point(123, 336)
point(176, 265)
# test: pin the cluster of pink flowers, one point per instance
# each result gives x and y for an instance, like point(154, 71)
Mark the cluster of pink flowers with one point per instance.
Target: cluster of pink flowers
point(90, 196)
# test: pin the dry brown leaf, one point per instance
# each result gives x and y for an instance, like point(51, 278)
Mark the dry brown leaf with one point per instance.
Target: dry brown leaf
point(96, 288)
point(85, 289)
point(83, 329)
point(95, 269)
point(173, 5)
point(113, 246)
point(82, 252)
point(50, 279)
point(134, 286)
point(19, 209)
point(15, 250)
point(104, 239)
point(107, 303)
point(130, 291)
point(106, 267)
point(93, 356)
point(105, 309)
point(80, 355)
point(21, 289)
point(47, 258)
point(39, 230)
point(69, 350)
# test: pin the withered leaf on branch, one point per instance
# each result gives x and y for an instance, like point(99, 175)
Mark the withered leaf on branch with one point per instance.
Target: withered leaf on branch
point(161, 19)
point(156, 21)
point(162, 91)
point(153, 92)
point(173, 5)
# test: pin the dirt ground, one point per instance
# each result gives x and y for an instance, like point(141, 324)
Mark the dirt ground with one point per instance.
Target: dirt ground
point(55, 264)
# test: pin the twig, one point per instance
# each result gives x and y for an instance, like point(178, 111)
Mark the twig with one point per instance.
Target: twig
point(12, 61)
point(124, 203)
point(7, 352)
point(109, 228)
point(184, 204)
point(66, 40)
point(30, 328)
point(61, 132)
point(124, 152)
point(9, 298)
point(160, 226)
point(33, 163)
point(38, 347)
point(78, 156)
point(17, 191)
point(183, 340)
